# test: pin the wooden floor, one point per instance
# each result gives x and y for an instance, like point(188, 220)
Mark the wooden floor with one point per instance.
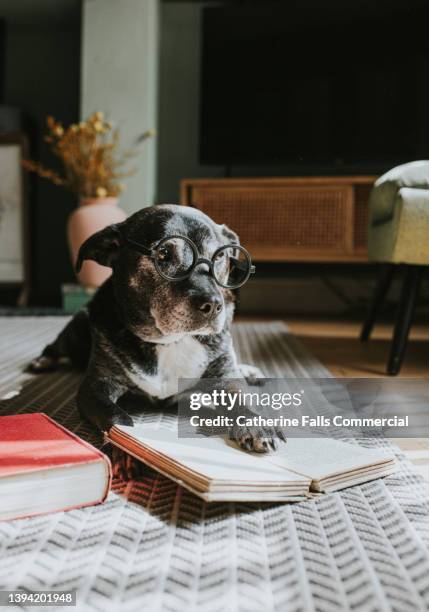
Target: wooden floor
point(337, 346)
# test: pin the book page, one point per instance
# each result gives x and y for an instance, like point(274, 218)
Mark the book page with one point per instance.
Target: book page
point(320, 458)
point(214, 458)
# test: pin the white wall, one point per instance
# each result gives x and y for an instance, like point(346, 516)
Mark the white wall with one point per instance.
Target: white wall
point(179, 101)
point(119, 76)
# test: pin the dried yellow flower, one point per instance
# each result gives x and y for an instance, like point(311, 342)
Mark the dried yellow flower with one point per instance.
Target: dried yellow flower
point(145, 136)
point(101, 192)
point(90, 156)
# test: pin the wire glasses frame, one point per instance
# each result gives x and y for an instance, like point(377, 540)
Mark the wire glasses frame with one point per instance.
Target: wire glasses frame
point(155, 253)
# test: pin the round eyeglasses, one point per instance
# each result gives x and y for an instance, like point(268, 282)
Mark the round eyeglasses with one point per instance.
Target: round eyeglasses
point(176, 257)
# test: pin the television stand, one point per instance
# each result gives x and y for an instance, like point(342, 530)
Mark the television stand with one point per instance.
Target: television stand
point(301, 219)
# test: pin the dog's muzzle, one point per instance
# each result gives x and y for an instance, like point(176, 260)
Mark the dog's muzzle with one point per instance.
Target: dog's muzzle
point(209, 305)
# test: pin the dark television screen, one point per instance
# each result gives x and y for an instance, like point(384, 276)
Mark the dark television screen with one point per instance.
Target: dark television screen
point(315, 82)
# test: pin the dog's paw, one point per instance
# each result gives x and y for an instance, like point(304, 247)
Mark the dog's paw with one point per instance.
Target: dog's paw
point(41, 364)
point(253, 375)
point(103, 419)
point(257, 439)
point(120, 417)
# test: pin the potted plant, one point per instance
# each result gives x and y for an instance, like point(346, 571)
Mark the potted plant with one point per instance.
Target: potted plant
point(92, 169)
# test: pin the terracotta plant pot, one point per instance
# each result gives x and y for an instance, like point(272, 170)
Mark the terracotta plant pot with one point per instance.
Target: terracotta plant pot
point(92, 215)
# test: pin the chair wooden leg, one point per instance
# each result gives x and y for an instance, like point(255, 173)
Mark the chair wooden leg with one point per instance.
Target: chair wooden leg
point(382, 287)
point(404, 318)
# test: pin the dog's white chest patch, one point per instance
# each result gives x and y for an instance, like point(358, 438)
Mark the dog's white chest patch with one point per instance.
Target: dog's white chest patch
point(186, 358)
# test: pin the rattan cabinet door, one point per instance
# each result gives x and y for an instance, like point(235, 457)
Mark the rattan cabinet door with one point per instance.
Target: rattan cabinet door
point(361, 215)
point(296, 223)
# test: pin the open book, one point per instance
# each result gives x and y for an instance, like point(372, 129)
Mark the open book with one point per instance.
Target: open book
point(217, 470)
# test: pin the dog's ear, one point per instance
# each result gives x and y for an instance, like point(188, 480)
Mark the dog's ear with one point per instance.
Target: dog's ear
point(102, 247)
point(231, 236)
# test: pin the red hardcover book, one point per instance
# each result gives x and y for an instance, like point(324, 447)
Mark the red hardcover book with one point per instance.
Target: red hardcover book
point(46, 468)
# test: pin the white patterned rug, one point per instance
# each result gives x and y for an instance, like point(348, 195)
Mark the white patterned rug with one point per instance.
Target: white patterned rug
point(154, 546)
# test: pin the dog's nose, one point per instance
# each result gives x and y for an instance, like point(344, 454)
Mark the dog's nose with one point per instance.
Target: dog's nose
point(211, 307)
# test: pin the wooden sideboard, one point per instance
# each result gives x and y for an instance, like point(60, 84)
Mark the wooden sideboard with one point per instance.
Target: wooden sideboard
point(290, 219)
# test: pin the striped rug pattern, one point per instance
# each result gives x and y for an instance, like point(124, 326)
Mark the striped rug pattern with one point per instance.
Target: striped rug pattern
point(154, 546)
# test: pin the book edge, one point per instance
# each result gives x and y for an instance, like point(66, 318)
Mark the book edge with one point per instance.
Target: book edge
point(100, 500)
point(97, 452)
point(64, 509)
point(201, 494)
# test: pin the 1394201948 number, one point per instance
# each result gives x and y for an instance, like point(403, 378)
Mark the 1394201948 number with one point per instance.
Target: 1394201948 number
point(37, 598)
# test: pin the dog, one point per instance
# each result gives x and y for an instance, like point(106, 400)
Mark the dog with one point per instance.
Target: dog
point(141, 332)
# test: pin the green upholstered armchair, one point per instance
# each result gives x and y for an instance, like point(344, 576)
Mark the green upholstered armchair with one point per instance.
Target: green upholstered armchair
point(399, 235)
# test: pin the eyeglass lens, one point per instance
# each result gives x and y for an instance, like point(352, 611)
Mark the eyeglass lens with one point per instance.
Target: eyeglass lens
point(174, 258)
point(231, 266)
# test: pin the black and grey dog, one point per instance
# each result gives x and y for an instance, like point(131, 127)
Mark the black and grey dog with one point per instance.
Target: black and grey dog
point(152, 322)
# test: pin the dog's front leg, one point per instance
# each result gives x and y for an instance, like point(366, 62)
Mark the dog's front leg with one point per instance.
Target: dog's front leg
point(97, 400)
point(225, 375)
point(250, 437)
